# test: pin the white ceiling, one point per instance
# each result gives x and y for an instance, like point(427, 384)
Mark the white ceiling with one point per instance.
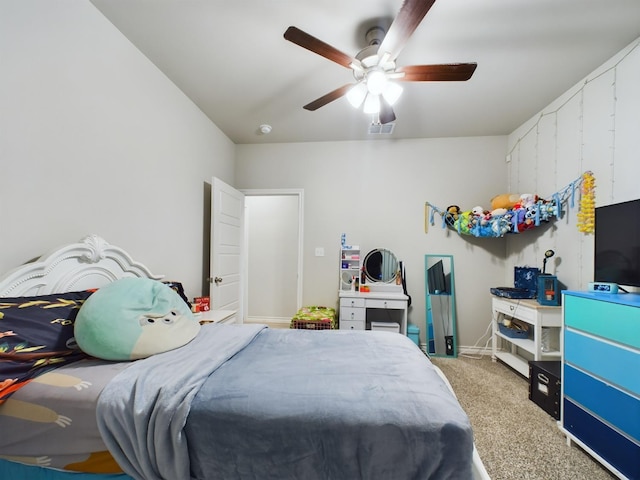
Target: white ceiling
point(230, 58)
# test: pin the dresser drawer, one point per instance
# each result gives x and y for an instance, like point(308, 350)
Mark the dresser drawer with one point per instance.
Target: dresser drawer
point(607, 442)
point(517, 310)
point(352, 302)
point(619, 323)
point(348, 313)
point(352, 324)
point(603, 359)
point(616, 407)
point(379, 303)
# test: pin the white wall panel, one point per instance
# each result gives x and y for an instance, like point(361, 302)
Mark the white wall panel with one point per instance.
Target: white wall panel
point(594, 126)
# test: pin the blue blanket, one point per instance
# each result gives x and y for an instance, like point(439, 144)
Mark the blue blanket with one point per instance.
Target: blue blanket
point(240, 402)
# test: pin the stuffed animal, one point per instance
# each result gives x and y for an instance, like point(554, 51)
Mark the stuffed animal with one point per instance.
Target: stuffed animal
point(452, 213)
point(464, 222)
point(498, 212)
point(501, 225)
point(505, 200)
point(526, 200)
point(134, 318)
point(548, 210)
point(486, 218)
point(478, 211)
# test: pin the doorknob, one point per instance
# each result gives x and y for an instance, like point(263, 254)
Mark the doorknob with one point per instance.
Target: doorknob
point(217, 280)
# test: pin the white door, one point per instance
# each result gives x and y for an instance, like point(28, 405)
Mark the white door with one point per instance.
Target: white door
point(227, 214)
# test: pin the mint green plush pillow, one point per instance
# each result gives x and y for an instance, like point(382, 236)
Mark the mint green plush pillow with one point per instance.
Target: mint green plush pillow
point(134, 318)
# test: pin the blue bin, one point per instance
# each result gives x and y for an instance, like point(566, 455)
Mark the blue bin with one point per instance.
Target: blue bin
point(413, 333)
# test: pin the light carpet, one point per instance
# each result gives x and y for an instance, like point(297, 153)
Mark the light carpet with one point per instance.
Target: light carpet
point(515, 438)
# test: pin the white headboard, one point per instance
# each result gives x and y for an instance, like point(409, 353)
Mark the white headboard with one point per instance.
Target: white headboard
point(91, 263)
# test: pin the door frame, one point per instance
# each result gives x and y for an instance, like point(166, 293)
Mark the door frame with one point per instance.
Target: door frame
point(299, 193)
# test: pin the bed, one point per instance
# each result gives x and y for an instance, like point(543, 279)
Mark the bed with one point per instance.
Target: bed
point(237, 401)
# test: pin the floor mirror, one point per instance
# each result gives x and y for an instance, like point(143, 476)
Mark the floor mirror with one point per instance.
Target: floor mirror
point(440, 305)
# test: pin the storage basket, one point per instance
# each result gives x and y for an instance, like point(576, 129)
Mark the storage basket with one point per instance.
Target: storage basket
point(512, 332)
point(314, 318)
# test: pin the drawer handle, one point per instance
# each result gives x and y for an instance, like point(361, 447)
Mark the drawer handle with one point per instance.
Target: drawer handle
point(352, 316)
point(543, 378)
point(511, 307)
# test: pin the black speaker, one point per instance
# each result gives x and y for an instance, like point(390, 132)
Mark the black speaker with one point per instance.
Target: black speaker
point(448, 340)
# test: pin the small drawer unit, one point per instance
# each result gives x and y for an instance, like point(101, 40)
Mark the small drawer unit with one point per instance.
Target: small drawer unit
point(351, 313)
point(352, 325)
point(600, 379)
point(519, 309)
point(385, 304)
point(352, 302)
point(359, 310)
point(544, 386)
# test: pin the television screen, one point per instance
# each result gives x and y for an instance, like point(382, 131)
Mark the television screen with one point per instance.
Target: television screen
point(436, 278)
point(617, 243)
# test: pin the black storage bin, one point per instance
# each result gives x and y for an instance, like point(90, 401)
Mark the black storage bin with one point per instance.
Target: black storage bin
point(544, 386)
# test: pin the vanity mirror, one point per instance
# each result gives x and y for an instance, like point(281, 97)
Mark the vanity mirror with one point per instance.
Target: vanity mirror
point(380, 265)
point(440, 305)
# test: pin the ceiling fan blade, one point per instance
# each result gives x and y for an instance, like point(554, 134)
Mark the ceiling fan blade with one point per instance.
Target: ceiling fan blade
point(409, 17)
point(386, 114)
point(311, 43)
point(328, 98)
point(448, 72)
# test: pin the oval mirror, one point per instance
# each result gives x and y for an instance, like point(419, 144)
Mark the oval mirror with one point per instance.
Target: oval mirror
point(380, 265)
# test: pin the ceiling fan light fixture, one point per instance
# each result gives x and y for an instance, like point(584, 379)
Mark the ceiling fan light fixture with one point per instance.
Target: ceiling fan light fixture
point(374, 67)
point(392, 92)
point(356, 94)
point(368, 56)
point(376, 82)
point(371, 104)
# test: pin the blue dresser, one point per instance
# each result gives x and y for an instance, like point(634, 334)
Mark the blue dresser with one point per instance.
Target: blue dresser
point(601, 377)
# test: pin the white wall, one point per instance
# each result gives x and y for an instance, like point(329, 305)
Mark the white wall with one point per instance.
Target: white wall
point(95, 139)
point(594, 127)
point(272, 227)
point(375, 192)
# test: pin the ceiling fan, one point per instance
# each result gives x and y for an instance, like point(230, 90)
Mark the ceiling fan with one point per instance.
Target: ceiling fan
point(374, 67)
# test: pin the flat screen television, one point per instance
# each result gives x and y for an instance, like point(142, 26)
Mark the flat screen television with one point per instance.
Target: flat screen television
point(436, 278)
point(617, 244)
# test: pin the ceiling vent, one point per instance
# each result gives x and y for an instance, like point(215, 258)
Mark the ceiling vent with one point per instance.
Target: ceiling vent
point(381, 128)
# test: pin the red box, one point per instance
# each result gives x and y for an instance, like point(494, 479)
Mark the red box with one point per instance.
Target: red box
point(201, 304)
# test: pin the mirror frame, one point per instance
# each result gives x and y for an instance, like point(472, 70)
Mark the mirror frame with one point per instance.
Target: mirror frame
point(386, 255)
point(440, 301)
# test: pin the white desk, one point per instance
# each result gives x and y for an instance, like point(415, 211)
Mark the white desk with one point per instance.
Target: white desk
point(354, 307)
